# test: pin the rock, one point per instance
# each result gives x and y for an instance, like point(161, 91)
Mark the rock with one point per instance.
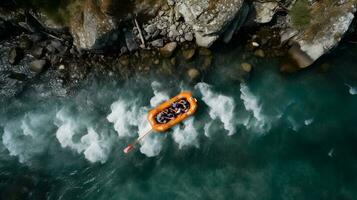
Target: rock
point(171, 2)
point(208, 18)
point(259, 53)
point(124, 60)
point(193, 74)
point(156, 61)
point(37, 65)
point(300, 57)
point(246, 67)
point(61, 67)
point(151, 28)
point(37, 51)
point(157, 43)
point(90, 26)
point(25, 43)
point(15, 55)
point(168, 49)
point(321, 32)
point(265, 11)
point(255, 44)
point(130, 41)
point(188, 53)
point(188, 36)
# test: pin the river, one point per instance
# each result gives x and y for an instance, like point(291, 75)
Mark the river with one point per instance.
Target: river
point(276, 136)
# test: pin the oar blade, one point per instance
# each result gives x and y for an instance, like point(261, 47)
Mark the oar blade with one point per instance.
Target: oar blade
point(128, 148)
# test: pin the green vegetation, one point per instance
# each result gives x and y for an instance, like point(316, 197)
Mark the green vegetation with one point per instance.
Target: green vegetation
point(300, 14)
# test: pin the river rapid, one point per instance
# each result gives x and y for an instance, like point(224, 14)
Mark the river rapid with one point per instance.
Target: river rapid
point(276, 136)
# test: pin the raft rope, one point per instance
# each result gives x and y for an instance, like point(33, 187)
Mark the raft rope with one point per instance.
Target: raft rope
point(132, 145)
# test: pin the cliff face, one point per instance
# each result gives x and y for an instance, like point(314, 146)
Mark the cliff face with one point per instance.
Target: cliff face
point(311, 28)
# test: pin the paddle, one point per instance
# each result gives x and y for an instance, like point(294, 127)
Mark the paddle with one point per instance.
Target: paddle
point(131, 146)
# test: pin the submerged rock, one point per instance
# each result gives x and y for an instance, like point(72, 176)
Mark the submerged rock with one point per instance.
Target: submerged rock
point(168, 49)
point(246, 67)
point(37, 65)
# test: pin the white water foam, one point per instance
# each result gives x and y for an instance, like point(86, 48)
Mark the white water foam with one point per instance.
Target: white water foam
point(351, 90)
point(27, 137)
point(186, 135)
point(258, 122)
point(95, 147)
point(221, 107)
point(128, 116)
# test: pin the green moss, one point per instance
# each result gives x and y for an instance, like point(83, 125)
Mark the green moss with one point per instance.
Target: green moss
point(300, 14)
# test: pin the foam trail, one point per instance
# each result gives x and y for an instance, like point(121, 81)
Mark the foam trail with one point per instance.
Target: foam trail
point(186, 136)
point(251, 103)
point(221, 107)
point(129, 118)
point(159, 96)
point(308, 121)
point(123, 116)
point(351, 90)
point(29, 138)
point(206, 129)
point(95, 147)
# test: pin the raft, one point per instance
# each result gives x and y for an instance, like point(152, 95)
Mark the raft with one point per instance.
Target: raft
point(163, 127)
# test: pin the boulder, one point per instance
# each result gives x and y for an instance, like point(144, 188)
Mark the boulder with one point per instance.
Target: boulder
point(321, 31)
point(246, 67)
point(168, 49)
point(265, 11)
point(157, 43)
point(188, 53)
point(37, 51)
point(15, 55)
point(207, 17)
point(37, 65)
point(193, 74)
point(91, 25)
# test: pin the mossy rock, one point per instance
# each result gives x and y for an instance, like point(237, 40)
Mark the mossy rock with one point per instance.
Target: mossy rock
point(300, 14)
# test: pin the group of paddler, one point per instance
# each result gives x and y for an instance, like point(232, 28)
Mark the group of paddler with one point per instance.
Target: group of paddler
point(170, 113)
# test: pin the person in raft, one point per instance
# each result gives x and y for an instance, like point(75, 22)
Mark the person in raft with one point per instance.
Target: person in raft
point(176, 109)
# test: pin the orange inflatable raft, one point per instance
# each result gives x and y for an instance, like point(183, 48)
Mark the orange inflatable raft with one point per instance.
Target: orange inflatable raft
point(191, 107)
point(187, 96)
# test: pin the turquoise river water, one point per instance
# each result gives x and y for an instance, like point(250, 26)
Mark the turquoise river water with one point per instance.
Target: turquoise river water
point(277, 137)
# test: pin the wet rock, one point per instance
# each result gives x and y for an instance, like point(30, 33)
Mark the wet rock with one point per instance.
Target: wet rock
point(208, 18)
point(130, 42)
point(168, 49)
point(322, 30)
point(246, 67)
point(193, 74)
point(265, 11)
point(301, 58)
point(37, 65)
point(188, 53)
point(37, 51)
point(15, 55)
point(259, 53)
point(157, 43)
point(124, 60)
point(90, 25)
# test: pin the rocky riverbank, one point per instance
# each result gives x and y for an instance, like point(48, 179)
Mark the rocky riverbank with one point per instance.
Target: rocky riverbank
point(65, 42)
